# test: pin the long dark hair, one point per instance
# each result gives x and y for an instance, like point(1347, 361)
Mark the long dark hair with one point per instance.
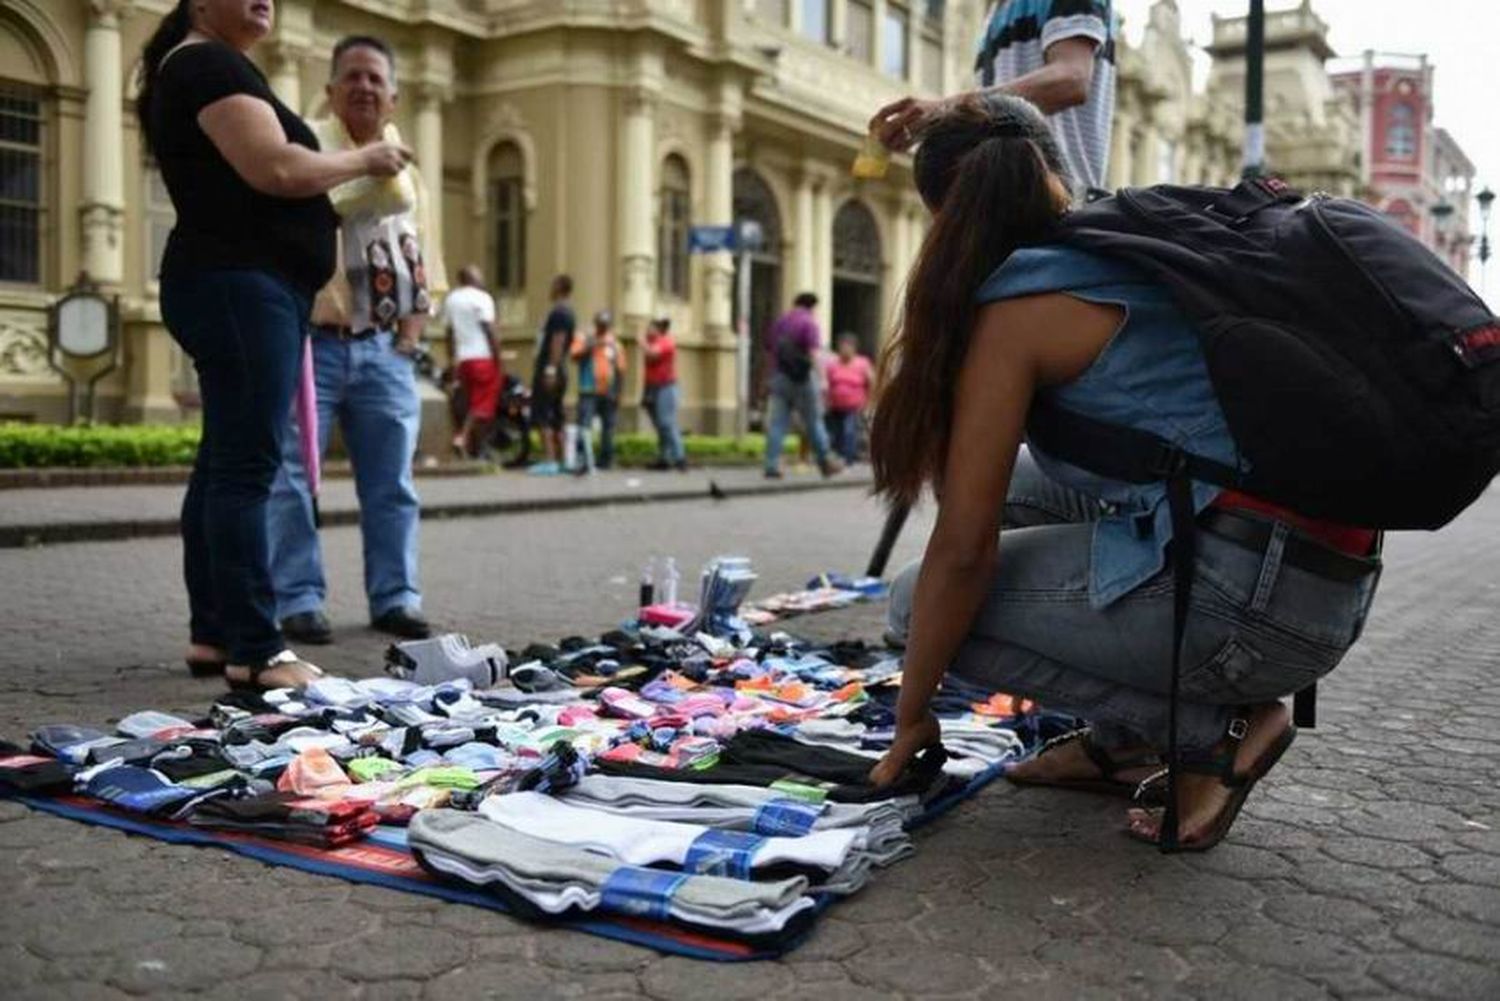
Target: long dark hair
point(984, 172)
point(167, 36)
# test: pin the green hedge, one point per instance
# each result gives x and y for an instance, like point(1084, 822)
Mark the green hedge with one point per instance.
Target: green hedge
point(26, 446)
point(31, 446)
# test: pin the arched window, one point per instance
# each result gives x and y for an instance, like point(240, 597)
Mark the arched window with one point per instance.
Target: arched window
point(21, 189)
point(1401, 133)
point(507, 218)
point(856, 243)
point(672, 229)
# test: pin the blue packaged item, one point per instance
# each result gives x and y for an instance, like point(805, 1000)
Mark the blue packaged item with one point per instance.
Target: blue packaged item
point(723, 853)
point(640, 892)
point(141, 790)
point(786, 818)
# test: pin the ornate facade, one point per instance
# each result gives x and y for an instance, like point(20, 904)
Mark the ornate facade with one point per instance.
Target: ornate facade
point(586, 137)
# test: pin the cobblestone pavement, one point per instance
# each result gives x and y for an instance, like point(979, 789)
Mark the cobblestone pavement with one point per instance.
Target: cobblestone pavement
point(1369, 865)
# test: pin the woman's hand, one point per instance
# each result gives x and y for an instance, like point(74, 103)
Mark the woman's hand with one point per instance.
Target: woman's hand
point(911, 738)
point(384, 159)
point(901, 123)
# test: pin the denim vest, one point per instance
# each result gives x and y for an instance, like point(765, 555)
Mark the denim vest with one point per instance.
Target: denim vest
point(1152, 376)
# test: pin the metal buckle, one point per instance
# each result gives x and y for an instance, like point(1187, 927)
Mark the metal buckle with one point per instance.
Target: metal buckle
point(1147, 782)
point(1238, 728)
point(1170, 461)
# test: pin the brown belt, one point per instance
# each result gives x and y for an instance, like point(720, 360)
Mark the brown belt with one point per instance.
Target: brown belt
point(344, 333)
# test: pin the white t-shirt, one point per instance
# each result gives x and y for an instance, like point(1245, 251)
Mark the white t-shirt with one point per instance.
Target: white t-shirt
point(466, 310)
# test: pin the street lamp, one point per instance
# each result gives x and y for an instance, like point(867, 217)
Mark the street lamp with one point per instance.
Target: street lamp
point(1255, 68)
point(1485, 198)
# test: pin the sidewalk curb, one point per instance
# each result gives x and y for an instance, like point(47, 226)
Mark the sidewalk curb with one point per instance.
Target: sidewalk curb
point(26, 536)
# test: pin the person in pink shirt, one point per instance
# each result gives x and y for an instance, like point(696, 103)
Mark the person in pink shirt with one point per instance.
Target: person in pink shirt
point(850, 377)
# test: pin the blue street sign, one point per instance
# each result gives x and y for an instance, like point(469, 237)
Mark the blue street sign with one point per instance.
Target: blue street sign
point(710, 239)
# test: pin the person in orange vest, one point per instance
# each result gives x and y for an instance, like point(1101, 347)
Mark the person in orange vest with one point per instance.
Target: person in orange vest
point(601, 374)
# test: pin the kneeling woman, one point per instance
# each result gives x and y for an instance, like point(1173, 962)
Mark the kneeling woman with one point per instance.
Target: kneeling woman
point(1075, 609)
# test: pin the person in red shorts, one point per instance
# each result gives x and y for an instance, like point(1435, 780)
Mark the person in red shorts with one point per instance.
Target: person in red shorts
point(469, 315)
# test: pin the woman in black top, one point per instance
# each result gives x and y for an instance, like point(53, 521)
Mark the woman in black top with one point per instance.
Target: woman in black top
point(254, 241)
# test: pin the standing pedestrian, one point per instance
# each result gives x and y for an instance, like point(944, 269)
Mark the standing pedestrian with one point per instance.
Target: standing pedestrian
point(662, 397)
point(793, 343)
point(549, 380)
point(253, 242)
point(601, 374)
point(474, 351)
point(850, 377)
point(1057, 54)
point(367, 323)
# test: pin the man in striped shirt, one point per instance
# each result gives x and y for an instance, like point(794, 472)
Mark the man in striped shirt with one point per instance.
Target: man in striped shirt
point(1060, 56)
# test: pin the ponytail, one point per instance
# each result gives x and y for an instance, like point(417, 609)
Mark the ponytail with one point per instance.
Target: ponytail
point(989, 182)
point(168, 35)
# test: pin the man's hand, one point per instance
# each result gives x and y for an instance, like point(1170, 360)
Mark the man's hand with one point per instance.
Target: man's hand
point(911, 739)
point(900, 124)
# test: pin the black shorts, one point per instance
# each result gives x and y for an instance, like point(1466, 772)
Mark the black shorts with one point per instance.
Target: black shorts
point(547, 405)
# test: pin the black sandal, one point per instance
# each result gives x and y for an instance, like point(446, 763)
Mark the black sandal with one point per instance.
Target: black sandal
point(1220, 765)
point(1109, 767)
point(205, 668)
point(253, 683)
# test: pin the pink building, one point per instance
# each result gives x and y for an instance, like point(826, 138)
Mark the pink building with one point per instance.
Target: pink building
point(1413, 171)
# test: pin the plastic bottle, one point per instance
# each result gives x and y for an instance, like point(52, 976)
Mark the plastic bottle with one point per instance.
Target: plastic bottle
point(873, 160)
point(669, 581)
point(648, 582)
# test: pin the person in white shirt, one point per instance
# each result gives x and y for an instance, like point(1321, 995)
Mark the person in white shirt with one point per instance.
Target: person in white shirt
point(469, 315)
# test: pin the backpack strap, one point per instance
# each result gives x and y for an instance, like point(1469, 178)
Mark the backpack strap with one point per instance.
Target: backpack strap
point(1250, 196)
point(1118, 452)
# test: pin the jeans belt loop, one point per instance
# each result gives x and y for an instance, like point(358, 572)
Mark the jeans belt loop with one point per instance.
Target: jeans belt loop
point(1270, 568)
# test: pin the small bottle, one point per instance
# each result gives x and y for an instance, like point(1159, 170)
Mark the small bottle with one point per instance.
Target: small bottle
point(873, 159)
point(669, 580)
point(648, 583)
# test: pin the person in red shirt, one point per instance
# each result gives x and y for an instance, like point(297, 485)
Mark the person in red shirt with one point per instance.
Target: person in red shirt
point(661, 399)
point(850, 378)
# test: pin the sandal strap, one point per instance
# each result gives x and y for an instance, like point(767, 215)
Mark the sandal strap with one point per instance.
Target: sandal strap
point(1108, 766)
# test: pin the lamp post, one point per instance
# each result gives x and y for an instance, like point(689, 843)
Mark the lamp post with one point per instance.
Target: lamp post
point(83, 336)
point(1255, 74)
point(1442, 211)
point(1485, 198)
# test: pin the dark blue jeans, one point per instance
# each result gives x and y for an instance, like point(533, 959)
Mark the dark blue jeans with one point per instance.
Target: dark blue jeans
point(243, 330)
point(605, 408)
point(843, 433)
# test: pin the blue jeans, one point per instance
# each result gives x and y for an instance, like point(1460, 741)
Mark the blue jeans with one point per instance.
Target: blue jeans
point(843, 430)
point(662, 406)
point(1259, 629)
point(371, 390)
point(243, 330)
point(605, 407)
point(803, 398)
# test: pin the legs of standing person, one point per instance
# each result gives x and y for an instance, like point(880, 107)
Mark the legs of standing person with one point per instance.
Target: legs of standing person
point(381, 418)
point(843, 434)
point(609, 407)
point(669, 435)
point(296, 555)
point(588, 406)
point(244, 331)
point(809, 404)
point(778, 419)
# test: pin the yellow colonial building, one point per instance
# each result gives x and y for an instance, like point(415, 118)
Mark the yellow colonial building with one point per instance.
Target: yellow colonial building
point(584, 136)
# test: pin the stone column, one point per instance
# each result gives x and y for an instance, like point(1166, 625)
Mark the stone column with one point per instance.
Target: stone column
point(1121, 163)
point(718, 207)
point(803, 271)
point(429, 149)
point(1143, 172)
point(102, 210)
point(284, 65)
point(823, 253)
point(635, 195)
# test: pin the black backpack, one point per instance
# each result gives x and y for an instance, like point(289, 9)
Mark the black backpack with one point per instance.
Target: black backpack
point(792, 359)
point(1359, 376)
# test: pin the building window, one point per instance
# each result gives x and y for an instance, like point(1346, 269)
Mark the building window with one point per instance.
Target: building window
point(20, 185)
point(1401, 134)
point(932, 64)
point(817, 20)
point(160, 218)
point(672, 229)
point(859, 26)
point(508, 218)
point(774, 11)
point(894, 38)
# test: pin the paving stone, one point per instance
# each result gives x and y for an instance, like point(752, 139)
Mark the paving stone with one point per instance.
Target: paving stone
point(1320, 913)
point(672, 977)
point(980, 931)
point(832, 938)
point(390, 952)
point(511, 980)
point(338, 922)
point(588, 954)
point(1474, 903)
point(1473, 868)
point(1423, 975)
point(1377, 853)
point(918, 972)
point(1464, 939)
point(1113, 961)
point(1297, 950)
point(188, 964)
point(275, 985)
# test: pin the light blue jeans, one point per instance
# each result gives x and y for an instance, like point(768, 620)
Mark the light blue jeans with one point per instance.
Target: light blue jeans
point(663, 412)
point(803, 398)
point(371, 390)
point(1259, 629)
